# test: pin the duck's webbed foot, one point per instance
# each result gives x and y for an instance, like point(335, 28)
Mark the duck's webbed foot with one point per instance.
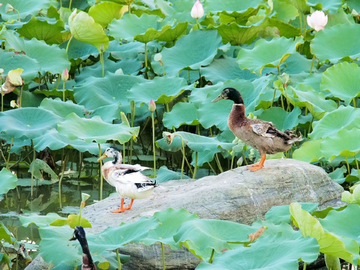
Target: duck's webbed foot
point(257, 166)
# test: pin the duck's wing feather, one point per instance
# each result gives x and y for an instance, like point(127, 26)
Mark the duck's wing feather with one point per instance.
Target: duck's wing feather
point(128, 176)
point(265, 129)
point(135, 167)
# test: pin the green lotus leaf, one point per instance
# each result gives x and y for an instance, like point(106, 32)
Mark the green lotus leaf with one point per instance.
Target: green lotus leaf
point(110, 90)
point(181, 114)
point(231, 5)
point(173, 147)
point(238, 34)
point(49, 58)
point(72, 220)
point(29, 122)
point(326, 48)
point(163, 174)
point(62, 109)
point(331, 6)
point(67, 252)
point(78, 49)
point(51, 33)
point(202, 236)
point(131, 25)
point(10, 61)
point(204, 47)
point(223, 69)
point(161, 89)
point(337, 145)
point(309, 151)
point(281, 213)
point(280, 118)
point(329, 243)
point(25, 9)
point(41, 167)
point(7, 181)
point(284, 254)
point(338, 175)
point(169, 222)
point(332, 122)
point(240, 18)
point(314, 101)
point(55, 141)
point(267, 54)
point(342, 80)
point(285, 11)
point(85, 29)
point(38, 220)
point(127, 50)
point(353, 4)
point(95, 129)
point(5, 234)
point(170, 35)
point(104, 12)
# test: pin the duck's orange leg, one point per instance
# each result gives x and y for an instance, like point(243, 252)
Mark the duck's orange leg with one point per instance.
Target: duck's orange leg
point(122, 208)
point(257, 166)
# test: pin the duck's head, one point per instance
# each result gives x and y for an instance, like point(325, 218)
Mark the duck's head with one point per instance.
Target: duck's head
point(79, 234)
point(230, 93)
point(112, 152)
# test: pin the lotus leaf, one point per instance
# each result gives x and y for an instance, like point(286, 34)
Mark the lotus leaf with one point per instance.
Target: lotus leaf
point(160, 89)
point(95, 129)
point(49, 58)
point(332, 122)
point(336, 145)
point(55, 141)
point(231, 5)
point(285, 11)
point(306, 96)
point(201, 236)
point(281, 213)
point(342, 80)
point(260, 257)
point(25, 9)
point(338, 175)
point(104, 12)
point(7, 181)
point(131, 25)
point(85, 29)
point(61, 108)
point(280, 118)
point(329, 243)
point(238, 34)
point(204, 46)
point(39, 168)
point(27, 122)
point(224, 69)
point(182, 113)
point(78, 49)
point(267, 54)
point(326, 48)
point(331, 6)
point(309, 151)
point(5, 234)
point(38, 220)
point(163, 174)
point(50, 32)
point(353, 4)
point(169, 222)
point(72, 220)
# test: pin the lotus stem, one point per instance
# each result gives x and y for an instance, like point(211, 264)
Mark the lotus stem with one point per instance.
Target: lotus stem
point(300, 19)
point(183, 160)
point(354, 103)
point(64, 91)
point(218, 163)
point(20, 98)
point(273, 99)
point(70, 4)
point(101, 176)
point(312, 63)
point(61, 178)
point(195, 168)
point(8, 159)
point(153, 141)
point(163, 255)
point(212, 256)
point(211, 167)
point(278, 68)
point(146, 64)
point(102, 64)
point(118, 259)
point(357, 166)
point(304, 268)
point(232, 160)
point(68, 44)
point(2, 99)
point(347, 165)
point(129, 8)
point(33, 168)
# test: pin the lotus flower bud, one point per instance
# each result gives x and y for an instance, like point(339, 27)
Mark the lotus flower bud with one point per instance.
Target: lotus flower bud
point(65, 75)
point(9, 8)
point(317, 20)
point(152, 106)
point(197, 10)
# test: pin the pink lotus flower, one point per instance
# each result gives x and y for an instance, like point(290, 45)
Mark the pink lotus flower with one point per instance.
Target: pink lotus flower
point(317, 20)
point(152, 106)
point(197, 10)
point(65, 75)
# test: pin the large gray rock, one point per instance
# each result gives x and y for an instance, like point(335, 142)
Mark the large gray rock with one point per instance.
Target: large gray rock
point(236, 195)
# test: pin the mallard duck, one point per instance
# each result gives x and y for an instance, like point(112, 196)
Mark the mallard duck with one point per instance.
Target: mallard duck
point(259, 134)
point(127, 179)
point(79, 234)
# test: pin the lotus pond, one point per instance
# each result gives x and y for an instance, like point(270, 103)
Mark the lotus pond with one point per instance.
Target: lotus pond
point(79, 76)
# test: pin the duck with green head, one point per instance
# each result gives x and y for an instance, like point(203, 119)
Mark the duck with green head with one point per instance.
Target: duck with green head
point(79, 234)
point(259, 134)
